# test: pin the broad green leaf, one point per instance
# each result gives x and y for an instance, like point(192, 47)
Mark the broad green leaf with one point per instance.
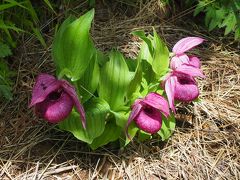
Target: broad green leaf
point(217, 19)
point(96, 112)
point(200, 7)
point(141, 34)
point(110, 134)
point(148, 73)
point(160, 62)
point(114, 81)
point(168, 126)
point(230, 23)
point(88, 84)
point(210, 14)
point(101, 58)
point(237, 33)
point(136, 79)
point(4, 50)
point(121, 118)
point(132, 64)
point(145, 54)
point(73, 47)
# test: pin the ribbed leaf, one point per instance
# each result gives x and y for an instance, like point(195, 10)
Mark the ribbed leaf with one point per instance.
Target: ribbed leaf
point(141, 34)
point(88, 84)
point(110, 134)
point(121, 118)
point(96, 111)
point(168, 126)
point(114, 81)
point(73, 47)
point(136, 79)
point(160, 62)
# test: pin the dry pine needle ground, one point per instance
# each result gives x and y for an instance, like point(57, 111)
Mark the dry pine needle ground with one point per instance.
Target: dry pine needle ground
point(205, 145)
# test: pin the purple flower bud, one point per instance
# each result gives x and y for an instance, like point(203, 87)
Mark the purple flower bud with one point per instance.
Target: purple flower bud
point(54, 99)
point(147, 113)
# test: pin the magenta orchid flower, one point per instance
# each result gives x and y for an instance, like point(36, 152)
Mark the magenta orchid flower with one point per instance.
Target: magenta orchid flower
point(179, 50)
point(54, 99)
point(180, 84)
point(147, 113)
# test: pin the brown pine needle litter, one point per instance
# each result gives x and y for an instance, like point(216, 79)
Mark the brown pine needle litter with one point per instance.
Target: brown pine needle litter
point(205, 144)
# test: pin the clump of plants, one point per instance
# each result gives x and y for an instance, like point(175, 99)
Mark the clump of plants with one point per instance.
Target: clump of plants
point(16, 18)
point(219, 14)
point(104, 97)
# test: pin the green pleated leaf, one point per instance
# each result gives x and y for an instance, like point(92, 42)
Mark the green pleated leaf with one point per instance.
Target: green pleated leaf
point(160, 62)
point(145, 53)
point(136, 79)
point(110, 134)
point(168, 126)
point(73, 47)
point(88, 84)
point(114, 81)
point(147, 40)
point(96, 112)
point(121, 118)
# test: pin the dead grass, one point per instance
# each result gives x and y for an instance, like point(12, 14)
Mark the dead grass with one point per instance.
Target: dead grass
point(205, 145)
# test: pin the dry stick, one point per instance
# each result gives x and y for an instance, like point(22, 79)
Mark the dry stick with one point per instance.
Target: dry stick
point(59, 170)
point(53, 158)
point(36, 171)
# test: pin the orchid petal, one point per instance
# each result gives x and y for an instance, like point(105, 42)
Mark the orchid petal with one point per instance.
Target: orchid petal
point(136, 108)
point(170, 91)
point(68, 88)
point(55, 110)
point(189, 70)
point(177, 61)
point(194, 61)
point(45, 84)
point(186, 44)
point(186, 89)
point(158, 102)
point(149, 120)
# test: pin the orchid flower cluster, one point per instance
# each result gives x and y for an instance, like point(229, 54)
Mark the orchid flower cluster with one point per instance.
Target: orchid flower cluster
point(103, 97)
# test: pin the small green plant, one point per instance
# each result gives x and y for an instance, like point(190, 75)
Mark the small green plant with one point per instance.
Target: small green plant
point(5, 73)
point(16, 17)
point(221, 14)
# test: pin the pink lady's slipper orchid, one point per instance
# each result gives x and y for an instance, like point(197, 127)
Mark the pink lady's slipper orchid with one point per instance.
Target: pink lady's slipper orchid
point(147, 113)
point(180, 84)
point(179, 50)
point(54, 99)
